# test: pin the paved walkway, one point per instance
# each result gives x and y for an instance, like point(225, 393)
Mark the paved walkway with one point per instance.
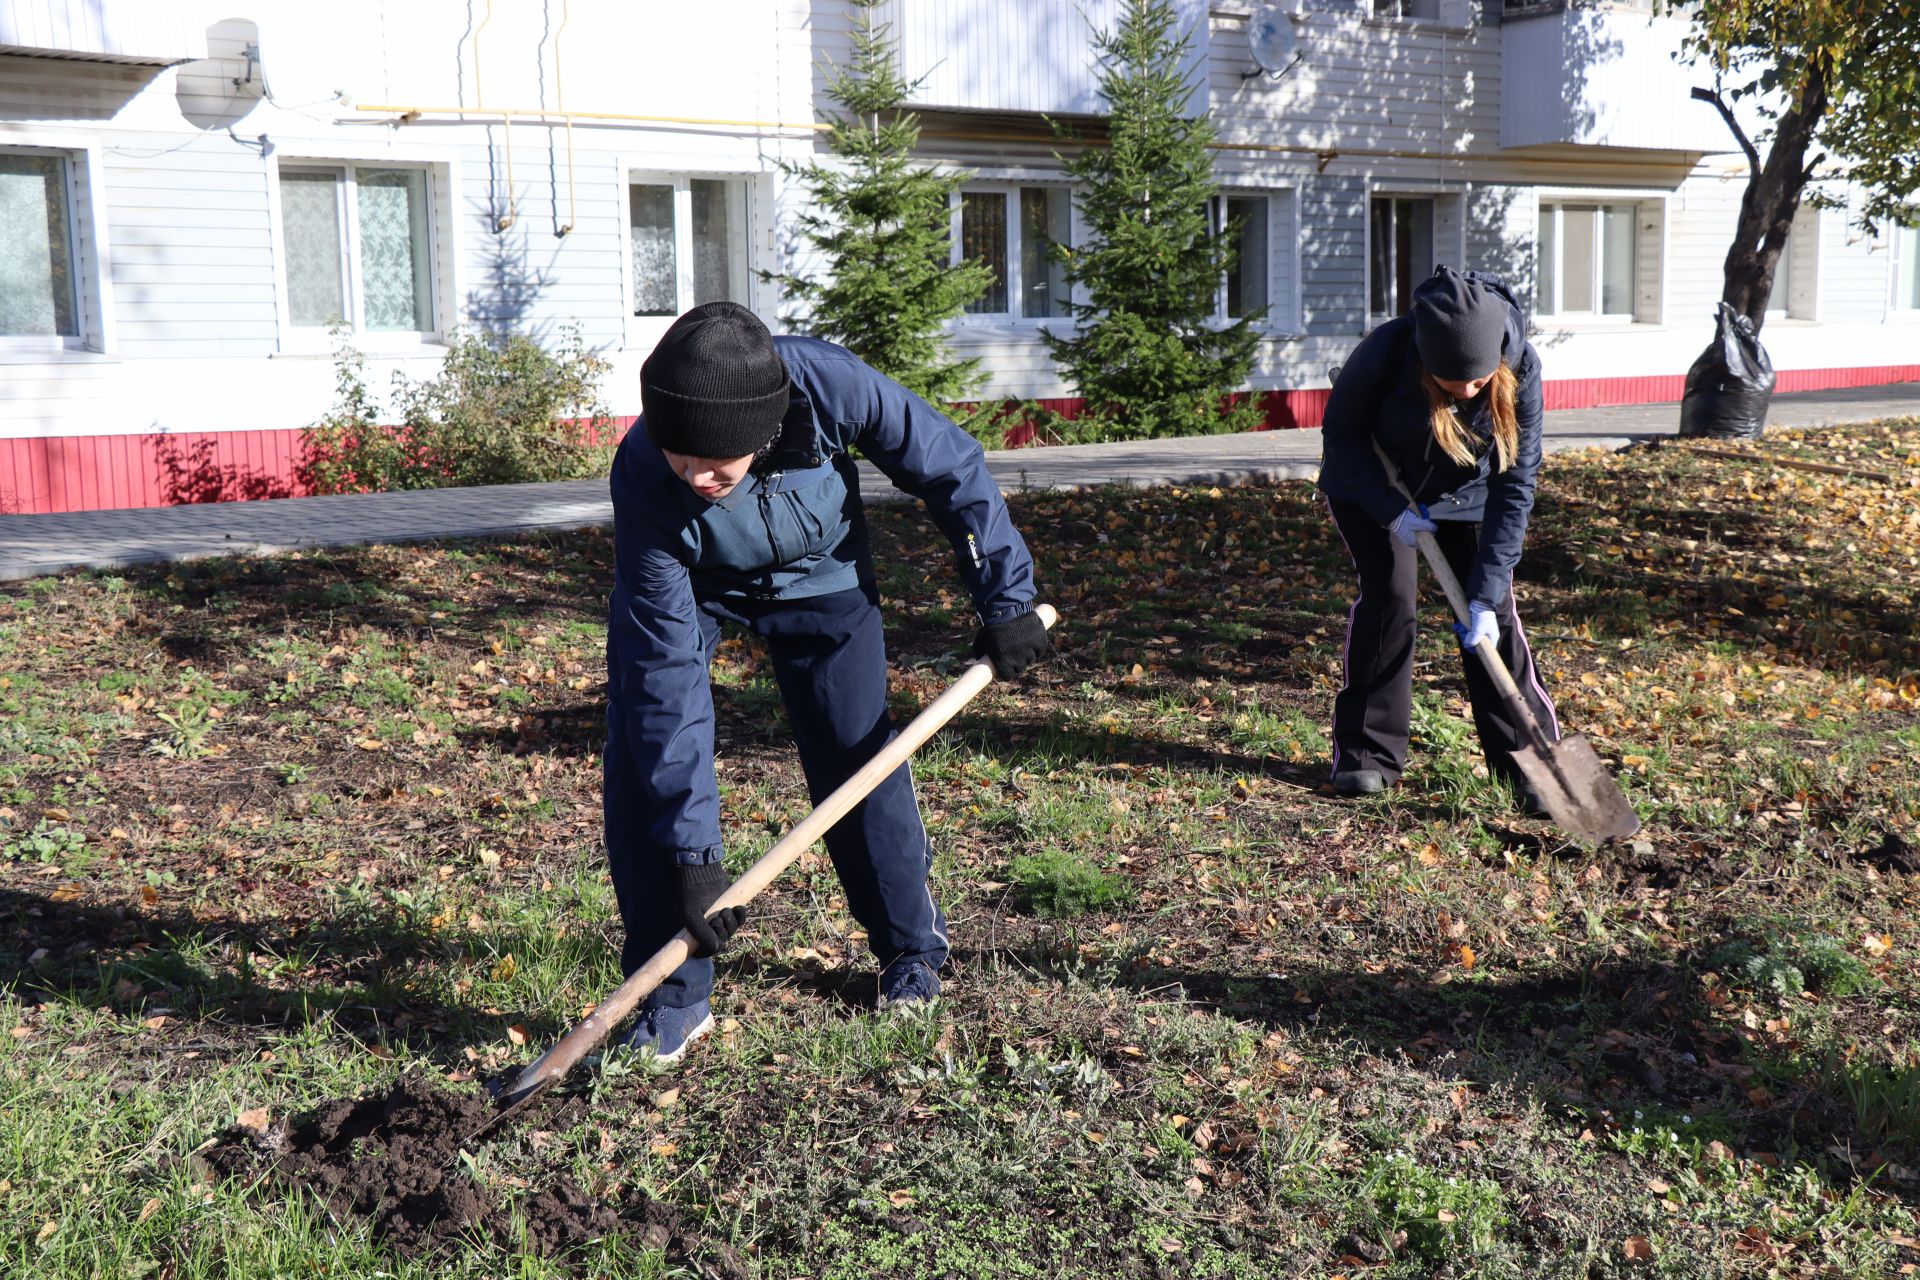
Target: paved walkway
point(31, 545)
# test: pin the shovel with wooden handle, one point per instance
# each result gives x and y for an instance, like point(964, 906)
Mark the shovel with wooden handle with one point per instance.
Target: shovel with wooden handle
point(590, 1032)
point(1571, 781)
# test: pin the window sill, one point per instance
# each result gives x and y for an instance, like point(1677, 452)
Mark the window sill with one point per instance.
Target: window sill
point(54, 356)
point(984, 332)
point(1440, 25)
point(376, 347)
point(1591, 324)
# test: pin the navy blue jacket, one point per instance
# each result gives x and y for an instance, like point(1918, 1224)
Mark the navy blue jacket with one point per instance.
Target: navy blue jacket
point(793, 528)
point(1378, 396)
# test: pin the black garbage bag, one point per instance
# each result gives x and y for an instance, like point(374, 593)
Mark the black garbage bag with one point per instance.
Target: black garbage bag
point(1730, 385)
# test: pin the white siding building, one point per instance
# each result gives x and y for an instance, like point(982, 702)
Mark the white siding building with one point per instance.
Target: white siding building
point(190, 195)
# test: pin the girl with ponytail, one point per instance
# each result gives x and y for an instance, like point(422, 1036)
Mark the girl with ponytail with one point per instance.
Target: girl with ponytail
point(1449, 394)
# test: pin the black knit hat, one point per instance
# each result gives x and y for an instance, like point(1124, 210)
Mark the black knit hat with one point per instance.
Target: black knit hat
point(1459, 326)
point(714, 387)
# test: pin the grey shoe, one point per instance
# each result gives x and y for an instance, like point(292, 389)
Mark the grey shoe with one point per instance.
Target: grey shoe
point(909, 984)
point(668, 1032)
point(1360, 782)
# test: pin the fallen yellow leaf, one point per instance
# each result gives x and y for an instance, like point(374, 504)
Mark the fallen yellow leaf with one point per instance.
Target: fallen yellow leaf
point(254, 1118)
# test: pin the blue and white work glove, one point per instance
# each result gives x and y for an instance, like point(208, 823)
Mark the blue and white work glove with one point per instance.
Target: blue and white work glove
point(1414, 520)
point(1484, 627)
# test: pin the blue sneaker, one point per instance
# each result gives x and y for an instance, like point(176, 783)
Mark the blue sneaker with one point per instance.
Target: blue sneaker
point(666, 1031)
point(909, 984)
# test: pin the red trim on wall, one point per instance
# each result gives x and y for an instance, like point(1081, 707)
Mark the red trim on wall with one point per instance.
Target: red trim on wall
point(91, 473)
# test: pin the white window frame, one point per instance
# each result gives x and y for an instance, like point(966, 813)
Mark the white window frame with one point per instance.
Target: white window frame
point(645, 330)
point(1009, 190)
point(86, 248)
point(1600, 201)
point(1279, 307)
point(1898, 236)
point(318, 338)
point(1436, 250)
point(1458, 15)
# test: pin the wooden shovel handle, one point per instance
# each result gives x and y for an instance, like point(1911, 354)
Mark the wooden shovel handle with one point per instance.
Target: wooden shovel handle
point(590, 1032)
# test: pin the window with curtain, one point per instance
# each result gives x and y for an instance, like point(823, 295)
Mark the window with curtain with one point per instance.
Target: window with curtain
point(1245, 289)
point(688, 240)
point(1017, 232)
point(36, 248)
point(1587, 255)
point(1399, 252)
point(1906, 268)
point(359, 247)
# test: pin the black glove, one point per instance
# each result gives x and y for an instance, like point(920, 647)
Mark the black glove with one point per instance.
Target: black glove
point(1014, 645)
point(700, 886)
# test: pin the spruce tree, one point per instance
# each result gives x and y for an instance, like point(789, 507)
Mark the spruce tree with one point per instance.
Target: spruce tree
point(881, 222)
point(1148, 357)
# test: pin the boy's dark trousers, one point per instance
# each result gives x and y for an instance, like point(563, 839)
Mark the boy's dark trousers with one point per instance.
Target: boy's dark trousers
point(1372, 714)
point(830, 661)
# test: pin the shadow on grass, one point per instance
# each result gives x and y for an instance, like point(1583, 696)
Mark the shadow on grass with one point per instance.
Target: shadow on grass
point(225, 605)
point(361, 972)
point(1624, 1042)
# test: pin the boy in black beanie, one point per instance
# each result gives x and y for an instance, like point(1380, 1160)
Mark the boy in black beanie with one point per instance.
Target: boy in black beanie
point(735, 499)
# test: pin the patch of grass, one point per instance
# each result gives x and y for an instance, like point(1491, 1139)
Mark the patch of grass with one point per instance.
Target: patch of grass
point(1424, 1213)
point(47, 844)
point(1784, 967)
point(1293, 1020)
point(1885, 1096)
point(1056, 883)
point(1287, 733)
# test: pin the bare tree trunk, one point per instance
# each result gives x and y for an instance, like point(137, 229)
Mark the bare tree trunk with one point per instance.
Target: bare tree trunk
point(1773, 192)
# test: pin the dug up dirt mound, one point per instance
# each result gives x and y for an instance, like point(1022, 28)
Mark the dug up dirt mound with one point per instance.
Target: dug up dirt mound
point(394, 1158)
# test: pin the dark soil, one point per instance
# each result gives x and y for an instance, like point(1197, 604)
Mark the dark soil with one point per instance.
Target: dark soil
point(394, 1158)
point(1892, 855)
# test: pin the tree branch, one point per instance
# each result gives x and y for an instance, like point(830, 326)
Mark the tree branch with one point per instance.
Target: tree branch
point(1739, 134)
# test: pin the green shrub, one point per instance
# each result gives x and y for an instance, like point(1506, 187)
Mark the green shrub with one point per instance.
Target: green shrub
point(1444, 1217)
point(1832, 970)
point(510, 412)
point(46, 843)
point(1055, 883)
point(1784, 968)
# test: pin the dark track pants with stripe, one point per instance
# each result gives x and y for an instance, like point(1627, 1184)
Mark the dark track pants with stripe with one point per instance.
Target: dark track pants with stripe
point(830, 662)
point(1372, 713)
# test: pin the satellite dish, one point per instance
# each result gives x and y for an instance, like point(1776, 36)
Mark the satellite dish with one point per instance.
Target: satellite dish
point(1271, 39)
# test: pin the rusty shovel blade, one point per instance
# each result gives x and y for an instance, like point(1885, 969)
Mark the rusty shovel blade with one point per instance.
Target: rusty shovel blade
point(1576, 790)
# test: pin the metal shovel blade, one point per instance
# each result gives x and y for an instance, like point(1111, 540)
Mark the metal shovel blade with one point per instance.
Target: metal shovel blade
point(1576, 790)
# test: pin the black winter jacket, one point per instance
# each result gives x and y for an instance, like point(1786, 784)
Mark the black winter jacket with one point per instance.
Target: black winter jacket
point(1378, 396)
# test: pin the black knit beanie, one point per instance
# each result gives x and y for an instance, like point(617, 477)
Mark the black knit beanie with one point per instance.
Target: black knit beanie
point(714, 387)
point(1459, 326)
